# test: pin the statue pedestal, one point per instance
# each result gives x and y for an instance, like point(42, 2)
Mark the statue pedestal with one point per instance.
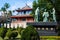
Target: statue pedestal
point(45, 28)
point(42, 23)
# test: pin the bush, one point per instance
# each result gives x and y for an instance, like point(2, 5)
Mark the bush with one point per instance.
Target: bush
point(11, 33)
point(19, 29)
point(3, 32)
point(8, 34)
point(14, 34)
point(29, 34)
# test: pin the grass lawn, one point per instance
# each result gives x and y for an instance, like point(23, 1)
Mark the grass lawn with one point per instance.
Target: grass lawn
point(50, 37)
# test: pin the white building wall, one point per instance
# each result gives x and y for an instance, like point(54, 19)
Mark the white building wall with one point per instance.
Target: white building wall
point(22, 24)
point(15, 25)
point(7, 25)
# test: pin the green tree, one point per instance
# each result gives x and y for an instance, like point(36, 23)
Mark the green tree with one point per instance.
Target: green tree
point(6, 5)
point(56, 4)
point(57, 7)
point(29, 34)
point(34, 8)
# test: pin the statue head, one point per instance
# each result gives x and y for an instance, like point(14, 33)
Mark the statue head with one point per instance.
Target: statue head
point(45, 10)
point(37, 8)
point(53, 9)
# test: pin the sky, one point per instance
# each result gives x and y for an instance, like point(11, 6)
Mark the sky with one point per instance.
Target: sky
point(15, 4)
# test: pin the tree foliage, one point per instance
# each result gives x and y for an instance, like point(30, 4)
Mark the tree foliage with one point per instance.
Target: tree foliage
point(34, 7)
point(6, 5)
point(56, 4)
point(57, 7)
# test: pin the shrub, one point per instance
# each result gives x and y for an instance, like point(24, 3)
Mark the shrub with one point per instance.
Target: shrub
point(3, 32)
point(19, 30)
point(11, 33)
point(14, 34)
point(8, 34)
point(29, 34)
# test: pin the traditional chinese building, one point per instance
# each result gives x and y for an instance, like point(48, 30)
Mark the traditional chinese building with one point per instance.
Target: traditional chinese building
point(23, 16)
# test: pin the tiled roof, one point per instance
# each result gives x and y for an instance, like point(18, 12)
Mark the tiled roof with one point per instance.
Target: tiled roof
point(25, 8)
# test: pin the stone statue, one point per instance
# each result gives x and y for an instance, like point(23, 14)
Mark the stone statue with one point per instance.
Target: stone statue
point(36, 14)
point(45, 16)
point(53, 13)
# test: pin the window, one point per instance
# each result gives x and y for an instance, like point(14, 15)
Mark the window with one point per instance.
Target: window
point(14, 19)
point(23, 19)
